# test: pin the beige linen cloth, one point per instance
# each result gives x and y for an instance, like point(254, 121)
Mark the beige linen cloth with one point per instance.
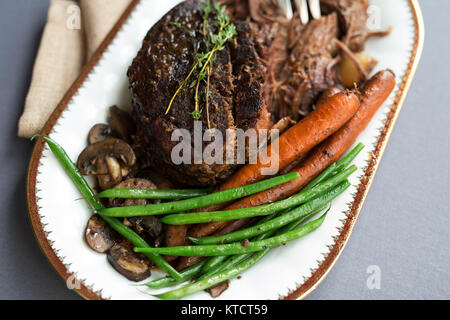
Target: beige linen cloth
point(73, 32)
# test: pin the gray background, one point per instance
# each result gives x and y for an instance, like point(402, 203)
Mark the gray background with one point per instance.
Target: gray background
point(403, 227)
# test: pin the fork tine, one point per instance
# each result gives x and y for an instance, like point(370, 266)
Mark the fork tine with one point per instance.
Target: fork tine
point(286, 7)
point(314, 7)
point(302, 8)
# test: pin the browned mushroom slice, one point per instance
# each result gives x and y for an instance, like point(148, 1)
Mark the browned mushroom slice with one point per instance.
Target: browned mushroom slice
point(149, 224)
point(128, 263)
point(109, 159)
point(99, 132)
point(160, 180)
point(99, 236)
point(132, 183)
point(121, 123)
point(105, 180)
point(218, 289)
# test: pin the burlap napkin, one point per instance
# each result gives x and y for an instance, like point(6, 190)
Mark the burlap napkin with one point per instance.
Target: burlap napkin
point(70, 37)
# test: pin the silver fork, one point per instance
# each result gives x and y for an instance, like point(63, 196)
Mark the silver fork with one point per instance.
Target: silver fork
point(304, 7)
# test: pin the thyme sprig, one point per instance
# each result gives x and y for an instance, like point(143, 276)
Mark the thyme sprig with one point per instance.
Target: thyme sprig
point(214, 42)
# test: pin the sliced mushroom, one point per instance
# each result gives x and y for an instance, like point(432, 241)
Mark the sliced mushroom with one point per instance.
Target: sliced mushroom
point(99, 132)
point(121, 123)
point(132, 183)
point(149, 224)
point(218, 289)
point(100, 236)
point(105, 180)
point(131, 265)
point(114, 169)
point(161, 181)
point(109, 159)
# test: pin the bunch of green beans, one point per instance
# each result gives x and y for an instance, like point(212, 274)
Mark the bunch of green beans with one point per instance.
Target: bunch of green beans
point(209, 247)
point(221, 276)
point(190, 272)
point(235, 259)
point(242, 213)
point(198, 202)
point(209, 274)
point(297, 213)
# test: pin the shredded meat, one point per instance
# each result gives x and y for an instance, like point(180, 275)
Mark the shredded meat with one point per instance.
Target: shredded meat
point(300, 60)
point(352, 21)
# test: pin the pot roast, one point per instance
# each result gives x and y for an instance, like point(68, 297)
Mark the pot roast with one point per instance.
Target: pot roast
point(235, 93)
point(274, 68)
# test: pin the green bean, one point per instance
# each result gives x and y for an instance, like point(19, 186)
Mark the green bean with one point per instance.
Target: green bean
point(278, 222)
point(214, 263)
point(237, 248)
point(72, 171)
point(199, 202)
point(230, 273)
point(336, 167)
point(153, 194)
point(186, 275)
point(212, 281)
point(301, 197)
point(231, 261)
point(345, 161)
point(234, 259)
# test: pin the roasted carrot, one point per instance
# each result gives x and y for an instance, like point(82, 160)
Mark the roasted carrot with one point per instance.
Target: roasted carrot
point(372, 96)
point(298, 140)
point(327, 94)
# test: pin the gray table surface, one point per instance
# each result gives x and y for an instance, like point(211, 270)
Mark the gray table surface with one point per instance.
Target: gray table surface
point(403, 228)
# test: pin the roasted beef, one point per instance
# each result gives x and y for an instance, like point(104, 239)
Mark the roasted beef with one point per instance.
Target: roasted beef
point(235, 96)
point(301, 60)
point(309, 69)
point(352, 21)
